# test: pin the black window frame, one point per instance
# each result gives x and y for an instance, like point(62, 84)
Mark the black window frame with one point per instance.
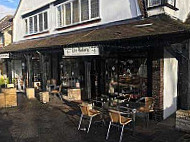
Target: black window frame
point(163, 3)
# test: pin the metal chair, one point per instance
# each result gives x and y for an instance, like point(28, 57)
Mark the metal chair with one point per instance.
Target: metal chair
point(117, 118)
point(147, 108)
point(86, 111)
point(57, 92)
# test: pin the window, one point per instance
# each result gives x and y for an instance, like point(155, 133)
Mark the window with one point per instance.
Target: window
point(77, 11)
point(59, 16)
point(26, 26)
point(1, 38)
point(152, 3)
point(40, 22)
point(36, 23)
point(45, 21)
point(31, 24)
point(84, 10)
point(172, 2)
point(169, 3)
point(94, 8)
point(68, 13)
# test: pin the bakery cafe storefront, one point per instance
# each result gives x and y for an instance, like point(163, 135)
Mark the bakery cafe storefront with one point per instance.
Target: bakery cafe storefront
point(94, 71)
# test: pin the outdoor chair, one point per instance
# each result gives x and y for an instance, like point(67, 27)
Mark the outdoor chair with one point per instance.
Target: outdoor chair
point(147, 108)
point(57, 92)
point(87, 112)
point(118, 118)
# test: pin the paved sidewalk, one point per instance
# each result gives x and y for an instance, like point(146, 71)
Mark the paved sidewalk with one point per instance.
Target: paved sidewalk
point(32, 121)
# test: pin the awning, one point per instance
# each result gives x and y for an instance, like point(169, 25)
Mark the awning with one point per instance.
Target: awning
point(152, 26)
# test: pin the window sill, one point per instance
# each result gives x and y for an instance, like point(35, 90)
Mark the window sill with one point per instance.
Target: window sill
point(79, 24)
point(35, 34)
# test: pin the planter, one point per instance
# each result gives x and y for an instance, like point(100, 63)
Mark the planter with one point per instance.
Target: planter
point(183, 120)
point(10, 97)
point(44, 97)
point(30, 93)
point(9, 90)
point(74, 94)
point(2, 100)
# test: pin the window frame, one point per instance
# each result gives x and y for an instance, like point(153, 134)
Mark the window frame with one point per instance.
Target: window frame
point(27, 33)
point(162, 3)
point(80, 21)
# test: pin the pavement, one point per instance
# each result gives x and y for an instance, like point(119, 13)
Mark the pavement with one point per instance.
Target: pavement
point(57, 121)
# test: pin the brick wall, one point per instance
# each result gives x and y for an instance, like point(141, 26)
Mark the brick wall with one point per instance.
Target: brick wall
point(158, 87)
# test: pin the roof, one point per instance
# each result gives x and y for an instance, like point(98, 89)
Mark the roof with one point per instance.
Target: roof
point(6, 22)
point(151, 26)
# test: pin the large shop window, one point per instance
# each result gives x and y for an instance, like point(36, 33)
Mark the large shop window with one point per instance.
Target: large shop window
point(127, 78)
point(76, 12)
point(36, 23)
point(71, 75)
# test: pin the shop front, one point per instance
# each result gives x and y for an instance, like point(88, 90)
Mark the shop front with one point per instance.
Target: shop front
point(92, 72)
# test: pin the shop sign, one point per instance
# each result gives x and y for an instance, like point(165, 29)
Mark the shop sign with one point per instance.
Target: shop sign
point(81, 51)
point(4, 56)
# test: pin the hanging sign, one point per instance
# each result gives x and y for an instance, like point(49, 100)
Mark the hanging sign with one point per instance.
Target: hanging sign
point(4, 56)
point(81, 51)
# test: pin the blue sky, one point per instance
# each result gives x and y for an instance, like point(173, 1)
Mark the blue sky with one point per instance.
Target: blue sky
point(10, 3)
point(8, 7)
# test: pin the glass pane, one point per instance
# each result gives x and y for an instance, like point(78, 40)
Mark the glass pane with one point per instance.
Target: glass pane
point(35, 24)
point(171, 2)
point(1, 38)
point(40, 22)
point(68, 13)
point(75, 11)
point(154, 3)
point(59, 20)
point(94, 8)
point(26, 26)
point(84, 10)
point(31, 25)
point(45, 21)
point(63, 15)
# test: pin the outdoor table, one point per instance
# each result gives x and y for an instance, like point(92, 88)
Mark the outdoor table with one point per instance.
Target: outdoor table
point(125, 108)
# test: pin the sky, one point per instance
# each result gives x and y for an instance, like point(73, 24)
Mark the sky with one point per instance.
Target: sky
point(8, 7)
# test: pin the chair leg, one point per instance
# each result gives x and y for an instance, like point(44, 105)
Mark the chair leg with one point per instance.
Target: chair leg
point(60, 96)
point(80, 121)
point(121, 136)
point(147, 119)
point(107, 136)
point(89, 124)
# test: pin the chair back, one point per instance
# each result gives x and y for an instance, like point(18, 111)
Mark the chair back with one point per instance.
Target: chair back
point(149, 102)
point(84, 109)
point(115, 116)
point(53, 81)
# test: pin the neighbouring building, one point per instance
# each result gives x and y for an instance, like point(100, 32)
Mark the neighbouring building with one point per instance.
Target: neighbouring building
point(5, 39)
point(114, 48)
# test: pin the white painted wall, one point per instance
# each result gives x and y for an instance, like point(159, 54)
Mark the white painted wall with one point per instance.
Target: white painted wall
point(182, 13)
point(170, 84)
point(110, 11)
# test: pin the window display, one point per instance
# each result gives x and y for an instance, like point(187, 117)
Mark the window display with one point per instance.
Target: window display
point(126, 78)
